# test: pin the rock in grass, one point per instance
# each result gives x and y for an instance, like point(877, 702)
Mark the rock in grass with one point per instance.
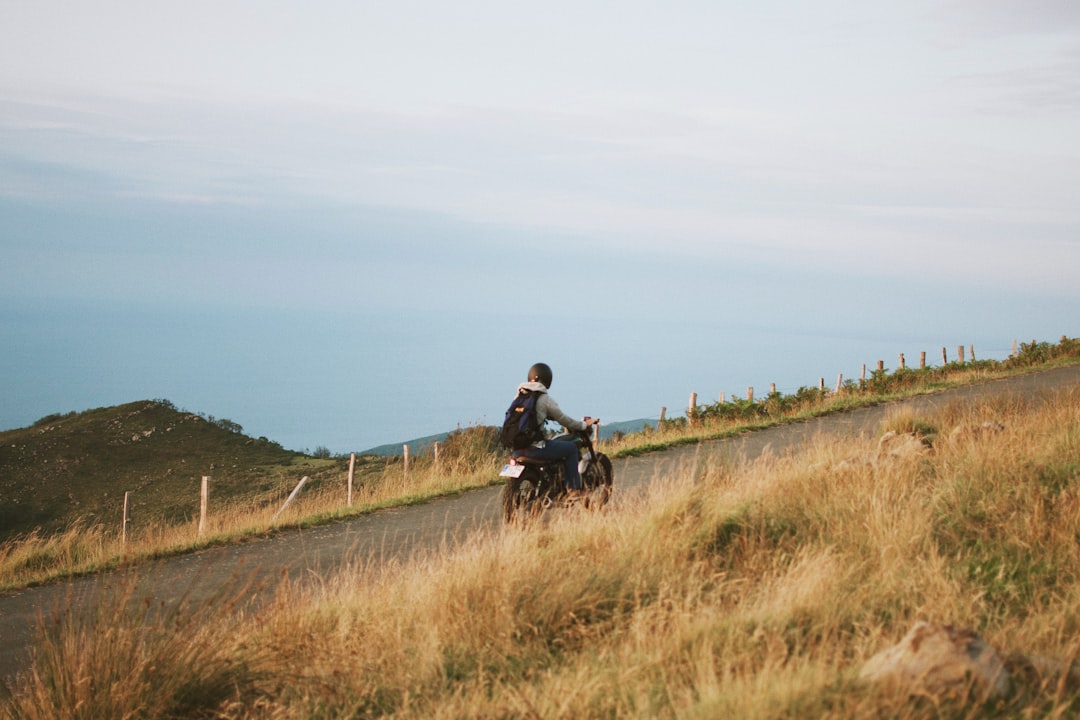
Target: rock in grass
point(901, 446)
point(940, 661)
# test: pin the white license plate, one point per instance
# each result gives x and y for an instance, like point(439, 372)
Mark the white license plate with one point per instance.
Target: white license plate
point(512, 471)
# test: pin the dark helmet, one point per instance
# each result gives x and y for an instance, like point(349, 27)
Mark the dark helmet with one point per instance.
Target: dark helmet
point(540, 372)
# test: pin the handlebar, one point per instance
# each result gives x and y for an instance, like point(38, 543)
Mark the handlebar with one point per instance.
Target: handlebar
point(586, 435)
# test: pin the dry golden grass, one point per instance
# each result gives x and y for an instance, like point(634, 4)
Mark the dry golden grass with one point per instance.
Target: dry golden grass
point(731, 590)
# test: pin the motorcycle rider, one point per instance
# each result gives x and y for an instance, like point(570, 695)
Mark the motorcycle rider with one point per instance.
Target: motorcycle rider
point(539, 381)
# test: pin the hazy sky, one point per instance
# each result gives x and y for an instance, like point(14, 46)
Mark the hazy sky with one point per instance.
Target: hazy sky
point(309, 217)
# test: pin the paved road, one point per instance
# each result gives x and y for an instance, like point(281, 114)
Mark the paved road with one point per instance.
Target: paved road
point(396, 534)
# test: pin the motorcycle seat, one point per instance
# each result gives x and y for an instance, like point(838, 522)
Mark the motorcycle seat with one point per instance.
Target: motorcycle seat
point(523, 460)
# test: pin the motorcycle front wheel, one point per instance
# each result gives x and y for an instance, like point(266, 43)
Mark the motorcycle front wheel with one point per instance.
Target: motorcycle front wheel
point(599, 480)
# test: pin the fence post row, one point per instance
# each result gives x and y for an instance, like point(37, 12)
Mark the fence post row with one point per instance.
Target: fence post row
point(840, 377)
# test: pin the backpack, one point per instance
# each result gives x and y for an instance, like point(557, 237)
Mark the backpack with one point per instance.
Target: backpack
point(520, 428)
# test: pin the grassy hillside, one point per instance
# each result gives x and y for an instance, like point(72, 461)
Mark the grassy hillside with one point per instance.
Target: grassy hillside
point(733, 590)
point(77, 467)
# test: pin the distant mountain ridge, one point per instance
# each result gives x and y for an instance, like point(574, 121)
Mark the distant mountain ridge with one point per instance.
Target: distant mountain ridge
point(422, 444)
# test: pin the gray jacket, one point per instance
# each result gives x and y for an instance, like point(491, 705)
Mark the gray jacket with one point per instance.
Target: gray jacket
point(548, 409)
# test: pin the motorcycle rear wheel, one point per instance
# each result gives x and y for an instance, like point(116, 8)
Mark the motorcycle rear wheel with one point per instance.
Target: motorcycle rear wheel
point(520, 499)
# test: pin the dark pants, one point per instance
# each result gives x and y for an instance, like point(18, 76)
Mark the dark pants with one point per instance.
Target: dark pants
point(564, 450)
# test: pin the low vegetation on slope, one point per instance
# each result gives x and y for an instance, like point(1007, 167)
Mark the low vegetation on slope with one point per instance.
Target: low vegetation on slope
point(75, 468)
point(753, 590)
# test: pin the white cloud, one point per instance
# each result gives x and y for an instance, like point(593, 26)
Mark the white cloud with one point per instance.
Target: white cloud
point(825, 135)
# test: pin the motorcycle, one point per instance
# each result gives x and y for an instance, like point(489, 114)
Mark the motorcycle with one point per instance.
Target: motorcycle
point(533, 486)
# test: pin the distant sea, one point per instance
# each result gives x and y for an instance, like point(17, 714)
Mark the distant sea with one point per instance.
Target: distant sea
point(347, 382)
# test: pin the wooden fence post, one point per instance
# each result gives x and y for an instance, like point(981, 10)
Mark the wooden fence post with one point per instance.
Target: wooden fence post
point(922, 360)
point(405, 454)
point(435, 453)
point(821, 384)
point(772, 387)
point(204, 502)
point(691, 412)
point(863, 373)
point(352, 468)
point(944, 357)
point(1014, 348)
point(663, 412)
point(972, 353)
point(960, 354)
point(881, 366)
point(722, 400)
point(839, 382)
point(750, 394)
point(123, 530)
point(903, 365)
point(293, 494)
